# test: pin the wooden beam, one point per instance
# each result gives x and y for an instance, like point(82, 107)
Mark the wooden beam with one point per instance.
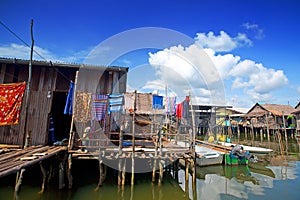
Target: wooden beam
point(2, 73)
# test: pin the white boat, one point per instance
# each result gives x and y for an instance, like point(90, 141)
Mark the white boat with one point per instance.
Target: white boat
point(206, 156)
point(251, 149)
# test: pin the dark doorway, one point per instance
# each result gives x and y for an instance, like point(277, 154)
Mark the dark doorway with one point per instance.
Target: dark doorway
point(62, 122)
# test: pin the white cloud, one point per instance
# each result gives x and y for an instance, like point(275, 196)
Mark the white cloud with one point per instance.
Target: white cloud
point(188, 69)
point(258, 32)
point(222, 42)
point(23, 52)
point(252, 80)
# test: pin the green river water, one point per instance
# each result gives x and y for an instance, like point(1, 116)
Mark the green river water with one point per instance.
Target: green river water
point(272, 178)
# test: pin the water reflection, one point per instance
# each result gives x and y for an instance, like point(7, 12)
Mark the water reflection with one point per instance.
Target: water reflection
point(274, 177)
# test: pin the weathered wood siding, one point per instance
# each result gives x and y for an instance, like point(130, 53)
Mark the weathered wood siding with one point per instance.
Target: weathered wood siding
point(44, 80)
point(47, 79)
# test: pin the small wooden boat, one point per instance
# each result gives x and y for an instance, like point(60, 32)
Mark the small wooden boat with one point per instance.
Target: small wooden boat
point(207, 156)
point(208, 159)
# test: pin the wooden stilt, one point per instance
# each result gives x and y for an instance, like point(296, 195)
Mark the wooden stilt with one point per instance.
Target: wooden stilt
point(102, 175)
point(186, 176)
point(69, 172)
point(176, 170)
point(123, 173)
point(132, 169)
point(239, 133)
point(50, 172)
point(161, 171)
point(45, 173)
point(252, 134)
point(19, 180)
point(261, 135)
point(193, 166)
point(61, 184)
point(153, 170)
point(120, 172)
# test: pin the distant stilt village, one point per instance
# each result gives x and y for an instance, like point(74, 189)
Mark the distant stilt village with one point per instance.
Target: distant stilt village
point(73, 112)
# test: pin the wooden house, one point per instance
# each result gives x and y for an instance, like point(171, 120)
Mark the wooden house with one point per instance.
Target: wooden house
point(47, 97)
point(297, 115)
point(273, 116)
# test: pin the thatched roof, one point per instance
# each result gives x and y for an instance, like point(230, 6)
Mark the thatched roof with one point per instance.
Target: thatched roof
point(274, 109)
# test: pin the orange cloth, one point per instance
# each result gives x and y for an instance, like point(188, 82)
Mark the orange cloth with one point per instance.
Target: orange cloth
point(11, 96)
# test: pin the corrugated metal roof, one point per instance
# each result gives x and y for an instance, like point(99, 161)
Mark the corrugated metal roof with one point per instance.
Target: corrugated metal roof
point(60, 64)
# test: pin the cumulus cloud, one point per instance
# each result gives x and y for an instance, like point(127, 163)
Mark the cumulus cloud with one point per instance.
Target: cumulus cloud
point(188, 69)
point(222, 42)
point(184, 66)
point(255, 79)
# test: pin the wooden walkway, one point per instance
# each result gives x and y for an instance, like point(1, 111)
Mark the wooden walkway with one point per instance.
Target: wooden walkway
point(12, 162)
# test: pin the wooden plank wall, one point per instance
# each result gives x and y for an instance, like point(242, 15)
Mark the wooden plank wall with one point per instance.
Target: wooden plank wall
point(45, 79)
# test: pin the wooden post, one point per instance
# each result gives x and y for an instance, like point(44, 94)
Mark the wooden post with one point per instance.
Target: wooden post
point(239, 133)
point(193, 126)
point(61, 183)
point(268, 129)
point(119, 156)
point(246, 136)
point(44, 172)
point(261, 135)
point(120, 172)
point(176, 170)
point(154, 168)
point(19, 180)
point(123, 173)
point(194, 188)
point(102, 175)
point(72, 133)
point(252, 133)
point(26, 138)
point(133, 140)
point(69, 172)
point(186, 175)
point(161, 171)
point(284, 126)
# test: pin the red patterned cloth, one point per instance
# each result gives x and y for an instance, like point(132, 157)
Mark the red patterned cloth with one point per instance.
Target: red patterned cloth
point(11, 96)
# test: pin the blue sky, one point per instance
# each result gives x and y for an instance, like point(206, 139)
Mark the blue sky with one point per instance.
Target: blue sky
point(254, 45)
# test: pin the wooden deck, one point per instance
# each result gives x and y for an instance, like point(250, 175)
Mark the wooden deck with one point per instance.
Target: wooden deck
point(12, 162)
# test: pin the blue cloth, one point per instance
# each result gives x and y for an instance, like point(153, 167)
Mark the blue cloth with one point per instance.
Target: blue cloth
point(185, 109)
point(116, 102)
point(51, 136)
point(157, 102)
point(69, 102)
